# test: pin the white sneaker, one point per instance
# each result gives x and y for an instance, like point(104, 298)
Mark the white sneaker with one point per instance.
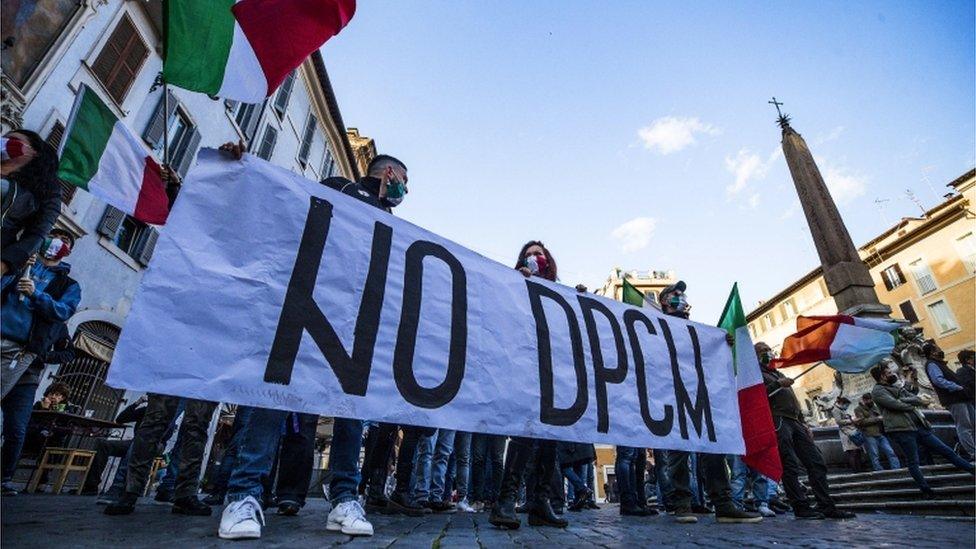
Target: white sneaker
point(241, 520)
point(765, 511)
point(350, 519)
point(465, 507)
point(478, 506)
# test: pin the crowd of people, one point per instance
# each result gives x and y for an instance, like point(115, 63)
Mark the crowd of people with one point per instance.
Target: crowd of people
point(405, 469)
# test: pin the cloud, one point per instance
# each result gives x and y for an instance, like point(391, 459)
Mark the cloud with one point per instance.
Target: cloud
point(754, 201)
point(745, 166)
point(791, 211)
point(671, 134)
point(635, 234)
point(830, 136)
point(844, 185)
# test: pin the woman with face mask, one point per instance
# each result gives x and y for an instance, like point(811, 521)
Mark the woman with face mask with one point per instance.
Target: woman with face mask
point(531, 459)
point(31, 198)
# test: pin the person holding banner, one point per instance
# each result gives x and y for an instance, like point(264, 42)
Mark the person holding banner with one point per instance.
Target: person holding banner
point(525, 454)
point(384, 187)
point(796, 446)
point(716, 476)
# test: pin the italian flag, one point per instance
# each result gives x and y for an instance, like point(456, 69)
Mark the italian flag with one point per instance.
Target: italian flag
point(100, 154)
point(848, 344)
point(635, 297)
point(244, 50)
point(758, 432)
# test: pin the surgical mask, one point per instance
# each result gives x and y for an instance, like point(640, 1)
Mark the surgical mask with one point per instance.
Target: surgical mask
point(55, 248)
point(537, 264)
point(678, 302)
point(396, 190)
point(10, 148)
point(765, 359)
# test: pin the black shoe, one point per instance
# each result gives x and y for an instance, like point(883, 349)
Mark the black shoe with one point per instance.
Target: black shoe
point(378, 505)
point(124, 506)
point(733, 515)
point(503, 515)
point(289, 507)
point(8, 490)
point(214, 499)
point(558, 510)
point(441, 506)
point(398, 504)
point(522, 509)
point(779, 507)
point(928, 493)
point(579, 502)
point(590, 504)
point(808, 514)
point(192, 506)
point(541, 514)
point(163, 496)
point(633, 511)
point(838, 514)
point(700, 509)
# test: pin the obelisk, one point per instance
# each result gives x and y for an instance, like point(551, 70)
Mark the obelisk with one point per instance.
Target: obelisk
point(847, 277)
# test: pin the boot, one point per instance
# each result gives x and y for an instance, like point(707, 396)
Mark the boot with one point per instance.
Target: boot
point(503, 515)
point(541, 514)
point(376, 501)
point(124, 506)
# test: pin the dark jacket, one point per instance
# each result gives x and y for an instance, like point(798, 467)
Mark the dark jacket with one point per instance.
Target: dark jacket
point(367, 189)
point(868, 419)
point(60, 352)
point(784, 402)
point(899, 408)
point(571, 453)
point(132, 413)
point(34, 321)
point(28, 215)
point(967, 379)
point(945, 383)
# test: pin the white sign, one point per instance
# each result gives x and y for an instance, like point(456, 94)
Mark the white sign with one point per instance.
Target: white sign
point(267, 289)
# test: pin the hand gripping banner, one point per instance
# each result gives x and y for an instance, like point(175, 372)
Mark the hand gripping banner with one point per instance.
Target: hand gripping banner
point(270, 290)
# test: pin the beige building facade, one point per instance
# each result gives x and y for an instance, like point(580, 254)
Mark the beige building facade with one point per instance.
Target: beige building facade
point(649, 282)
point(924, 268)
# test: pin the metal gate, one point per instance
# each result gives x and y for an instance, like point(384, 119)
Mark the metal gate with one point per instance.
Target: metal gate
point(85, 375)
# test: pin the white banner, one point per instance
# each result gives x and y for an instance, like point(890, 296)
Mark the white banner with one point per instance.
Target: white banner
point(267, 289)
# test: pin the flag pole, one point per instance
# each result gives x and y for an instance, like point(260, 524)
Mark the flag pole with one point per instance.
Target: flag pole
point(165, 123)
point(801, 374)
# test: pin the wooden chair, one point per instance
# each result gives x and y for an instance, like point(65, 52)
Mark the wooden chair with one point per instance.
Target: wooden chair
point(72, 460)
point(158, 463)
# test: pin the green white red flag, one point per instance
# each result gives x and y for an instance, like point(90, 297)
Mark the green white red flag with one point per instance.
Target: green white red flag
point(847, 344)
point(100, 154)
point(758, 431)
point(244, 50)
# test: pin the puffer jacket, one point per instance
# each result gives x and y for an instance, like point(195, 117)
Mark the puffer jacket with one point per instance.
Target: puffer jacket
point(28, 215)
point(899, 408)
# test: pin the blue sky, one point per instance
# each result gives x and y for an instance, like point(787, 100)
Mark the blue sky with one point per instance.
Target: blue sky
point(638, 134)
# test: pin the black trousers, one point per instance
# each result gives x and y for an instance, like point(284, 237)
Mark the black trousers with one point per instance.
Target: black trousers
point(487, 466)
point(147, 443)
point(524, 455)
point(408, 448)
point(798, 452)
point(714, 471)
point(104, 449)
point(296, 457)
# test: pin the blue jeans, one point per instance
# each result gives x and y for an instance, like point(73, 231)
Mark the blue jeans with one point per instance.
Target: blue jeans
point(17, 406)
point(257, 445)
point(462, 463)
point(624, 471)
point(910, 441)
point(430, 465)
point(576, 475)
point(871, 444)
point(742, 476)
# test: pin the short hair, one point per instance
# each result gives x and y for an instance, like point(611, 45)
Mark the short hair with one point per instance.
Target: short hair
point(381, 161)
point(66, 235)
point(966, 354)
point(59, 388)
point(876, 372)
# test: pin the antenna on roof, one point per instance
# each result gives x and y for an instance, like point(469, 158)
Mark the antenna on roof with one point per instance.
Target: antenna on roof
point(911, 196)
point(880, 203)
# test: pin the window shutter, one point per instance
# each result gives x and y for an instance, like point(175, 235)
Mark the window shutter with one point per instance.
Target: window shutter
point(54, 138)
point(229, 104)
point(147, 246)
point(901, 275)
point(188, 153)
point(886, 277)
point(111, 221)
point(121, 58)
point(268, 143)
point(908, 312)
point(284, 93)
point(154, 131)
point(251, 126)
point(307, 137)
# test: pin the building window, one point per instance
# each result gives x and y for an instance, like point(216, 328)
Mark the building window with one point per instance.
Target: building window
point(328, 163)
point(283, 95)
point(892, 277)
point(923, 276)
point(176, 126)
point(651, 296)
point(54, 138)
point(118, 64)
point(942, 317)
point(908, 311)
point(266, 148)
point(752, 330)
point(246, 116)
point(789, 310)
point(310, 124)
point(966, 245)
point(135, 238)
point(768, 321)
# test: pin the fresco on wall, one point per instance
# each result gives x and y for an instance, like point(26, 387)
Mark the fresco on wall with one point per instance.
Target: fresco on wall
point(28, 29)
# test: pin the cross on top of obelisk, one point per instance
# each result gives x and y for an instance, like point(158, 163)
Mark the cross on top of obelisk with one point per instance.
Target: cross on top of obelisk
point(783, 119)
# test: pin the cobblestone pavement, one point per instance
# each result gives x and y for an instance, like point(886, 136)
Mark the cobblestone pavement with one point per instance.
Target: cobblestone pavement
point(73, 521)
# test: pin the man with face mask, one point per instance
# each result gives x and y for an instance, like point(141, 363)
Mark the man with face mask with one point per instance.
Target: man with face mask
point(716, 476)
point(796, 447)
point(907, 427)
point(951, 393)
point(257, 440)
